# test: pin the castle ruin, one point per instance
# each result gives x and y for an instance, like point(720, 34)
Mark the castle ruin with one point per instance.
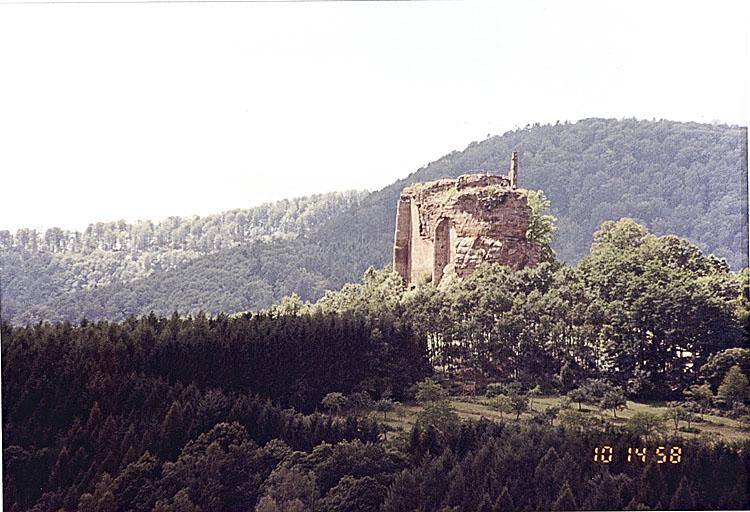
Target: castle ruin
point(445, 228)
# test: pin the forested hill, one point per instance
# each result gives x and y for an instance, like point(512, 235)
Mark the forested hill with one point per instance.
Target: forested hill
point(113, 269)
point(688, 179)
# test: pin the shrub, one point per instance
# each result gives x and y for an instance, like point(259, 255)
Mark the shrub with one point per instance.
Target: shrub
point(494, 389)
point(645, 425)
point(734, 388)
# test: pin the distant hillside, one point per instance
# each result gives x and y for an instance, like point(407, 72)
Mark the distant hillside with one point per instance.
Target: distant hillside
point(114, 269)
point(683, 178)
point(235, 279)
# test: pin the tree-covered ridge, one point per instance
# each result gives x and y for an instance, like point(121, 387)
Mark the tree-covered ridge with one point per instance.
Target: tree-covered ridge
point(43, 274)
point(283, 219)
point(687, 179)
point(238, 279)
point(244, 278)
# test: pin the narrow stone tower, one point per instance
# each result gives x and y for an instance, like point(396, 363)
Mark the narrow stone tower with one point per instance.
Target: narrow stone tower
point(445, 228)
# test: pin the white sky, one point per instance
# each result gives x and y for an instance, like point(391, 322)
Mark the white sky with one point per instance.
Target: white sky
point(149, 110)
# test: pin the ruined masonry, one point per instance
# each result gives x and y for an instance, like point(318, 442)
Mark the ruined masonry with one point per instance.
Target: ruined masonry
point(445, 228)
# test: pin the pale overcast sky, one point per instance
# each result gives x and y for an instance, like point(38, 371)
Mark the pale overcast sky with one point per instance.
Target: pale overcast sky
point(132, 111)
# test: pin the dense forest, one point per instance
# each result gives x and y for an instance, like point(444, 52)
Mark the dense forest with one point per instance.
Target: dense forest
point(280, 409)
point(688, 179)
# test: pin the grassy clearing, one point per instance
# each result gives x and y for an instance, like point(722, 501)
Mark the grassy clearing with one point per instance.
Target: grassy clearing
point(474, 408)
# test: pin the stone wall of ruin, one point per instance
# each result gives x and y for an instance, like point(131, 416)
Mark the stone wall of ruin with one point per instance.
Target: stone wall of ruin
point(446, 228)
point(402, 244)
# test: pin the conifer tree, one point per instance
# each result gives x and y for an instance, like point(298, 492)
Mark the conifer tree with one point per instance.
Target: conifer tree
point(651, 486)
point(606, 495)
point(565, 501)
point(486, 504)
point(684, 498)
point(504, 502)
point(403, 495)
point(456, 487)
point(637, 505)
point(546, 476)
point(171, 430)
point(87, 503)
point(625, 491)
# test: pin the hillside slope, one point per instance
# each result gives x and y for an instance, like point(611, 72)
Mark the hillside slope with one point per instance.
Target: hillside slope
point(236, 279)
point(115, 269)
point(688, 179)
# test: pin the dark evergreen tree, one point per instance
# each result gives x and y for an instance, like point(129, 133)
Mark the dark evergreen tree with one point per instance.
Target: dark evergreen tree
point(683, 498)
point(651, 486)
point(565, 500)
point(403, 495)
point(485, 505)
point(606, 495)
point(504, 502)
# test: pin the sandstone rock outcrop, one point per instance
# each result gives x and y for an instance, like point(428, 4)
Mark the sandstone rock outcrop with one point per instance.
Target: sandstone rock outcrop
point(445, 228)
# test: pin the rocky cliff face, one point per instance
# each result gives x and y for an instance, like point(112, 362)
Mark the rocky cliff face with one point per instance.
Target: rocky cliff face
point(445, 228)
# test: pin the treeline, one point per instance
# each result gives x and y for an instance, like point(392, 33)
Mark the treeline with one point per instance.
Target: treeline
point(280, 219)
point(292, 359)
point(56, 275)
